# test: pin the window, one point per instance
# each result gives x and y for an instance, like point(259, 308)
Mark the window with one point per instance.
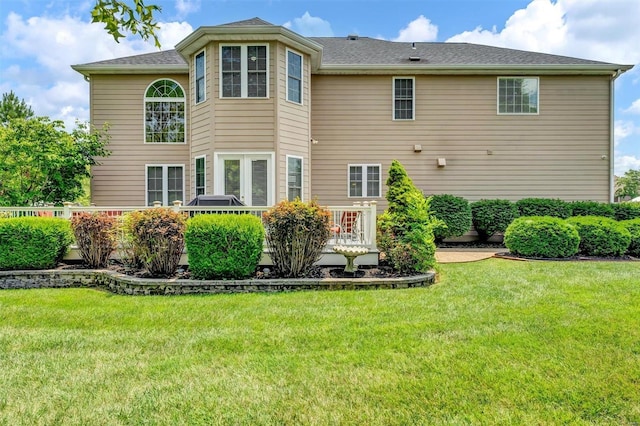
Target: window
point(294, 177)
point(164, 105)
point(518, 95)
point(201, 175)
point(165, 183)
point(243, 71)
point(248, 176)
point(364, 180)
point(200, 76)
point(294, 77)
point(403, 98)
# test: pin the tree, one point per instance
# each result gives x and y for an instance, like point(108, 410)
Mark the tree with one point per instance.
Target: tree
point(41, 163)
point(13, 107)
point(117, 15)
point(629, 184)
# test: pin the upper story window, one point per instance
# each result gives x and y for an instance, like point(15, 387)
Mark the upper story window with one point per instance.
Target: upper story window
point(200, 77)
point(518, 95)
point(403, 98)
point(294, 77)
point(364, 180)
point(164, 105)
point(243, 71)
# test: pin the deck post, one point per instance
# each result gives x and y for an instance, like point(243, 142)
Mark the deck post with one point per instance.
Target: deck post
point(66, 212)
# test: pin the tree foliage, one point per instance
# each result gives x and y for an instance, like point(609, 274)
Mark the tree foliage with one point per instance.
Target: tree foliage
point(629, 184)
point(118, 15)
point(13, 107)
point(41, 163)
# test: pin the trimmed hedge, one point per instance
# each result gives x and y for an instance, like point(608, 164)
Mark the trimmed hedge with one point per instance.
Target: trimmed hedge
point(33, 242)
point(592, 208)
point(454, 211)
point(626, 210)
point(546, 236)
point(601, 236)
point(543, 207)
point(224, 246)
point(491, 216)
point(633, 226)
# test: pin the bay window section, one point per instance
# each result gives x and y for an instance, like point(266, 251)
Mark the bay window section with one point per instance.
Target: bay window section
point(243, 71)
point(201, 176)
point(294, 177)
point(294, 77)
point(200, 77)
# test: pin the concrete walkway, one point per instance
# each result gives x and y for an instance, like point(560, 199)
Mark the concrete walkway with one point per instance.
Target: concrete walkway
point(459, 255)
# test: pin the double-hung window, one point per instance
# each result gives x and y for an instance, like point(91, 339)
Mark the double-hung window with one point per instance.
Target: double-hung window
point(403, 98)
point(243, 71)
point(518, 95)
point(164, 105)
point(294, 77)
point(364, 180)
point(200, 67)
point(165, 183)
point(294, 177)
point(201, 175)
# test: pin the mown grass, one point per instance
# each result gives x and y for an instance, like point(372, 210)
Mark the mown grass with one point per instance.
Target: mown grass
point(494, 342)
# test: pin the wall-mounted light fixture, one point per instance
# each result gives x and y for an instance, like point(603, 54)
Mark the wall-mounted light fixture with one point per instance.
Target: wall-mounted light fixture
point(314, 141)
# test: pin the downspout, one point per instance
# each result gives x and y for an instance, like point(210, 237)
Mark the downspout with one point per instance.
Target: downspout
point(615, 75)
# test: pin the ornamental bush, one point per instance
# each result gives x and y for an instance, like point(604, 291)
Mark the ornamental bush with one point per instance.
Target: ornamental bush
point(592, 208)
point(296, 232)
point(33, 242)
point(95, 236)
point(626, 211)
point(224, 245)
point(541, 236)
point(491, 216)
point(454, 211)
point(158, 238)
point(633, 226)
point(543, 207)
point(601, 236)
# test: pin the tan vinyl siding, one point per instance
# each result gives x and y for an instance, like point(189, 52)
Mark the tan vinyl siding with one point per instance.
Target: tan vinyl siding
point(119, 100)
point(557, 153)
point(202, 118)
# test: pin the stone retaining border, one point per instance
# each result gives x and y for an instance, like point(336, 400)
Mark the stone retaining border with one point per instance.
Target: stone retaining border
point(124, 284)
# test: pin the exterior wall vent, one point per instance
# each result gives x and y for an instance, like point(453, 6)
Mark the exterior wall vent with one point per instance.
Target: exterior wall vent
point(414, 58)
point(352, 37)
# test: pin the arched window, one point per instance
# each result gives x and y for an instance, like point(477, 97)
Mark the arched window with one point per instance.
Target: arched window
point(164, 106)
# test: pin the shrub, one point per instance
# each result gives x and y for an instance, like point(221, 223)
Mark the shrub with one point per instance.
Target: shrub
point(33, 242)
point(128, 252)
point(224, 246)
point(158, 238)
point(296, 232)
point(633, 226)
point(543, 207)
point(546, 236)
point(95, 236)
point(454, 211)
point(601, 236)
point(491, 216)
point(405, 229)
point(591, 208)
point(626, 210)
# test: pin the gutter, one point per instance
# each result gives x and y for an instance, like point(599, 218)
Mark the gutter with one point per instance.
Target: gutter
point(612, 126)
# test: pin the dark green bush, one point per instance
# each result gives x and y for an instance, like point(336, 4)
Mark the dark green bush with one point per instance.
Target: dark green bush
point(33, 242)
point(224, 246)
point(633, 226)
point(491, 216)
point(95, 236)
point(158, 237)
point(454, 211)
point(296, 232)
point(601, 236)
point(592, 208)
point(541, 236)
point(626, 210)
point(405, 230)
point(543, 207)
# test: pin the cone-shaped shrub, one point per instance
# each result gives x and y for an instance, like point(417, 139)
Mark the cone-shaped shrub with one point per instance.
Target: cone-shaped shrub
point(601, 236)
point(535, 236)
point(454, 211)
point(95, 236)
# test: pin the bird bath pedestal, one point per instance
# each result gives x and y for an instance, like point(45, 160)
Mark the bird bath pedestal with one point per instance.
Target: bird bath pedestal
point(350, 253)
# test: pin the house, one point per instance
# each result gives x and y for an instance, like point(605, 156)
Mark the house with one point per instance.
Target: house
point(261, 112)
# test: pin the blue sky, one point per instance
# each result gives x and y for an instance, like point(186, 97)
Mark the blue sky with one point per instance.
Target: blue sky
point(40, 39)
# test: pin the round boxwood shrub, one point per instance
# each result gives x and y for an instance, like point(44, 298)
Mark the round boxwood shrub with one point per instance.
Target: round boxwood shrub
point(633, 226)
point(592, 208)
point(543, 207)
point(541, 236)
point(626, 210)
point(601, 236)
point(491, 216)
point(454, 211)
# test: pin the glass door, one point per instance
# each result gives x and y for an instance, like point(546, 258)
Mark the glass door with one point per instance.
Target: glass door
point(247, 176)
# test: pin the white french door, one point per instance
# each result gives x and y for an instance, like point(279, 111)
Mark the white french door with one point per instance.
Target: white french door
point(250, 177)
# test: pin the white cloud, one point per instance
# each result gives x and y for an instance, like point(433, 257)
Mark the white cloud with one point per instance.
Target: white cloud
point(634, 108)
point(623, 129)
point(185, 7)
point(310, 26)
point(626, 162)
point(420, 29)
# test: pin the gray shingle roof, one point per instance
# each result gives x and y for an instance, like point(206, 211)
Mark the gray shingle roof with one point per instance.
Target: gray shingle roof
point(166, 57)
point(247, 22)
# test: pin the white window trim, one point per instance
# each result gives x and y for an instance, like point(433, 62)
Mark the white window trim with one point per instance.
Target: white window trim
point(516, 113)
point(195, 174)
point(301, 176)
point(364, 180)
point(218, 176)
point(243, 70)
point(165, 183)
point(144, 112)
point(301, 77)
point(195, 78)
point(393, 99)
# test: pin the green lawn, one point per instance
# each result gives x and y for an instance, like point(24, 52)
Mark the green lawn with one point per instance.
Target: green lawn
point(494, 342)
